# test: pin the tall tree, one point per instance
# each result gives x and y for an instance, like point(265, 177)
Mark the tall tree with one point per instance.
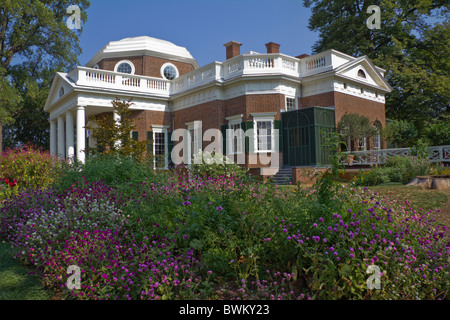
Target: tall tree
point(412, 45)
point(34, 32)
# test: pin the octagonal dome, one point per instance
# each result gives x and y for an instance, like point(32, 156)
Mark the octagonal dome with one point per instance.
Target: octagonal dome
point(143, 45)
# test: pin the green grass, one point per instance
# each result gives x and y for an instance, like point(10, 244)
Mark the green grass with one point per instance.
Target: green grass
point(18, 282)
point(419, 198)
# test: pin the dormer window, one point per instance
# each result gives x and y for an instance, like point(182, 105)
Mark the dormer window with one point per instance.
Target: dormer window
point(361, 74)
point(124, 66)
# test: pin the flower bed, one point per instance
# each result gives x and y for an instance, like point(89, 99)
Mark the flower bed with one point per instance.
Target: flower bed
point(195, 238)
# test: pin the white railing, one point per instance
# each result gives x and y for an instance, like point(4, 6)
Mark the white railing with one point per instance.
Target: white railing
point(196, 78)
point(373, 157)
point(316, 64)
point(243, 65)
point(121, 81)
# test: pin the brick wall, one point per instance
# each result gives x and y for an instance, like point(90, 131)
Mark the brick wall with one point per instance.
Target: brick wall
point(305, 175)
point(318, 100)
point(146, 65)
point(143, 120)
point(213, 114)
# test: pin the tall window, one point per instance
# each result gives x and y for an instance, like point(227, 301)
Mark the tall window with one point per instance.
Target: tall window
point(377, 136)
point(264, 135)
point(290, 104)
point(362, 144)
point(160, 149)
point(236, 137)
point(191, 144)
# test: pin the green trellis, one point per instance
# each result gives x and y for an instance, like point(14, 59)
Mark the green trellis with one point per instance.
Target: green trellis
point(305, 134)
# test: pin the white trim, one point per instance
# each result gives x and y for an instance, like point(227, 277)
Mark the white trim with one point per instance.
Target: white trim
point(259, 117)
point(125, 61)
point(286, 104)
point(161, 129)
point(167, 64)
point(263, 114)
point(234, 120)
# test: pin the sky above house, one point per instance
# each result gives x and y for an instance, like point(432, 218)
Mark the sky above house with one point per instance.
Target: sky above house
point(201, 26)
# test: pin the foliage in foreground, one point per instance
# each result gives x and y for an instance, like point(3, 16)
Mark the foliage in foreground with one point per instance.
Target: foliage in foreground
point(183, 238)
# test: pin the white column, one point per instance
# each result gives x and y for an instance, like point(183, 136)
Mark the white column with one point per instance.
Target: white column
point(61, 145)
point(81, 134)
point(116, 121)
point(53, 150)
point(69, 136)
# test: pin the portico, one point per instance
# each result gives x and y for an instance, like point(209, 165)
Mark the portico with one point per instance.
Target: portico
point(68, 138)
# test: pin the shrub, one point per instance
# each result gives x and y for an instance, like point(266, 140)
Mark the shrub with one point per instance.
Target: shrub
point(212, 165)
point(398, 169)
point(8, 188)
point(110, 169)
point(31, 168)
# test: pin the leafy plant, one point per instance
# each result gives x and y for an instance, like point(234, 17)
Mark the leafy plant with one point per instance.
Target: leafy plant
point(31, 168)
point(400, 133)
point(355, 127)
point(114, 137)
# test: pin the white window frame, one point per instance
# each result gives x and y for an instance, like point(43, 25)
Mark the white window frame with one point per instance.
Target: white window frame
point(161, 129)
point(116, 67)
point(263, 117)
point(166, 65)
point(232, 121)
point(362, 144)
point(377, 137)
point(191, 143)
point(286, 103)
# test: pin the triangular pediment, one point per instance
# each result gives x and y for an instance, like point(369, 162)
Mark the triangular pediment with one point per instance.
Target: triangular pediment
point(59, 89)
point(364, 71)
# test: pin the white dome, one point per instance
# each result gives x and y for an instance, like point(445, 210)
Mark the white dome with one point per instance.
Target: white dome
point(143, 45)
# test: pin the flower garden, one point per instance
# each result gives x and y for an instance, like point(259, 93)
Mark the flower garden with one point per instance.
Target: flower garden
point(179, 234)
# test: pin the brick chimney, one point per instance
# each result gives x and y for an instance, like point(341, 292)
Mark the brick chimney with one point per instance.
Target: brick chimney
point(233, 49)
point(273, 47)
point(302, 56)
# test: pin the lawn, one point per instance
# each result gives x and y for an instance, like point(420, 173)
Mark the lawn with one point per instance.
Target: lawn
point(18, 282)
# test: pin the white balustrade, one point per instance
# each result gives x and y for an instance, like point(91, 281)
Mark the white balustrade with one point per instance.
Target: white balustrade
point(246, 64)
point(373, 157)
point(114, 80)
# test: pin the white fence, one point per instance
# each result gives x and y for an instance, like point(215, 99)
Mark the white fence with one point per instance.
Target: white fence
point(373, 157)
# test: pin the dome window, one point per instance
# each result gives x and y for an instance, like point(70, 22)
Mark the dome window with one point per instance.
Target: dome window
point(169, 71)
point(124, 66)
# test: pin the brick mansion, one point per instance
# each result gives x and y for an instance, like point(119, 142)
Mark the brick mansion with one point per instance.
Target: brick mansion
point(300, 98)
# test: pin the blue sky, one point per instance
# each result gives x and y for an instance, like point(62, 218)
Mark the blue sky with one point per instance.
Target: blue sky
point(202, 26)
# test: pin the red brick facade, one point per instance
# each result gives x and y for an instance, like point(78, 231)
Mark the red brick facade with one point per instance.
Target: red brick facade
point(146, 65)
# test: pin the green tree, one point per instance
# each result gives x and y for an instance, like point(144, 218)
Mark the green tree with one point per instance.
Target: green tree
point(114, 137)
point(354, 126)
point(412, 45)
point(400, 133)
point(33, 32)
point(438, 132)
